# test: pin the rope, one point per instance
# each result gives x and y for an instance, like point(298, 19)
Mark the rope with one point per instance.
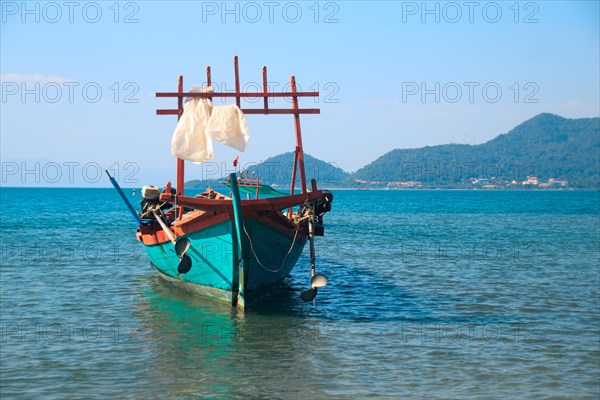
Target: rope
point(286, 256)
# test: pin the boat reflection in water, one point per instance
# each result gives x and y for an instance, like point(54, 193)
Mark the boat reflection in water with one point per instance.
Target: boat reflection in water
point(206, 348)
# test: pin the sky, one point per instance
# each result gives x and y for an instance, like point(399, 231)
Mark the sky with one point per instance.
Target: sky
point(79, 78)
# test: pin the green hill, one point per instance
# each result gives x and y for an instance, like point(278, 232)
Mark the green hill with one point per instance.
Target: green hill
point(546, 146)
point(277, 172)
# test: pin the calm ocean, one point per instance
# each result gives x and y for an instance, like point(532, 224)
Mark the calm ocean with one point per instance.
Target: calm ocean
point(432, 294)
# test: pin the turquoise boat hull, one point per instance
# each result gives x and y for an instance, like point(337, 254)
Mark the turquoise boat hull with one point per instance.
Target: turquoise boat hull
point(214, 270)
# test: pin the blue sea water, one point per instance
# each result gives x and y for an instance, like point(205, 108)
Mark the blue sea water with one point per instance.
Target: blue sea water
point(432, 294)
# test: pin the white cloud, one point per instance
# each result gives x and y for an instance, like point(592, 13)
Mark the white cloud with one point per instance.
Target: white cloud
point(573, 104)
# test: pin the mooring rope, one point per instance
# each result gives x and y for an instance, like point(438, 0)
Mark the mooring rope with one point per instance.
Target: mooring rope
point(286, 256)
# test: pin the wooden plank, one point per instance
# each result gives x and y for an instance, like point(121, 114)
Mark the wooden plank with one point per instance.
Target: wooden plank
point(167, 112)
point(281, 111)
point(256, 111)
point(272, 204)
point(241, 94)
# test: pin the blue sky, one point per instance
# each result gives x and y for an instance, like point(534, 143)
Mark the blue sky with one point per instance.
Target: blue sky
point(391, 75)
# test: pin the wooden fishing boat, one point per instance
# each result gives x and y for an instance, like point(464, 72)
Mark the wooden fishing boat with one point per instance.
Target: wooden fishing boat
point(220, 244)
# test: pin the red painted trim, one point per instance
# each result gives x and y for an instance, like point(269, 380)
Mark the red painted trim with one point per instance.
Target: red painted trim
point(155, 235)
point(273, 204)
point(152, 235)
point(280, 223)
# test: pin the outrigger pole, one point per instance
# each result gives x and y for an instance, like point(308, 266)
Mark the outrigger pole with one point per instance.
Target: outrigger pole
point(265, 94)
point(120, 191)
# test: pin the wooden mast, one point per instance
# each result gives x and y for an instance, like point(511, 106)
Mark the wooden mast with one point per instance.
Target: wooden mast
point(236, 72)
point(299, 157)
point(180, 163)
point(265, 88)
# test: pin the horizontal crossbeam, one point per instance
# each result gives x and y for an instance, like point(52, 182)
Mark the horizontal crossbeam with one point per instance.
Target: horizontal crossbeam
point(209, 95)
point(257, 111)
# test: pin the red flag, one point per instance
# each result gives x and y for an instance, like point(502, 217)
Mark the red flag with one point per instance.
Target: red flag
point(235, 162)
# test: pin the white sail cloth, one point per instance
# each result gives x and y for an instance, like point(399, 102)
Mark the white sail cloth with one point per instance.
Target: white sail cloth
point(191, 140)
point(227, 125)
point(201, 122)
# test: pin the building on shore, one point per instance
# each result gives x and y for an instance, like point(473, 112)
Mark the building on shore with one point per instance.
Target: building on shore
point(531, 180)
point(554, 184)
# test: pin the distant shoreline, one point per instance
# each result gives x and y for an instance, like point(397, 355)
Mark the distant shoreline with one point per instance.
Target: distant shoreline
point(467, 190)
point(334, 188)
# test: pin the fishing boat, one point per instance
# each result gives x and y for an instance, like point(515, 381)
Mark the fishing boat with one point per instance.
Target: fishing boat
point(221, 244)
